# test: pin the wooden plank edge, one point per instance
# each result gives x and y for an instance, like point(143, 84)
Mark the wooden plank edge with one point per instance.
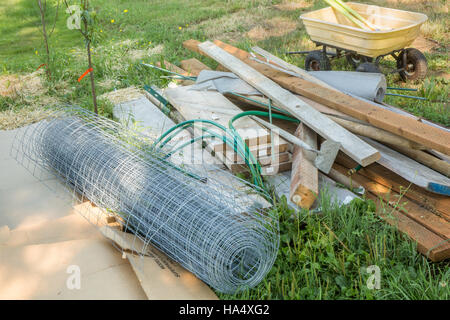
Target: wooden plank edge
point(395, 200)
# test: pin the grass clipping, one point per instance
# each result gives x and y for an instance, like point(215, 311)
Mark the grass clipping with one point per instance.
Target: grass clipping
point(29, 93)
point(13, 86)
point(12, 119)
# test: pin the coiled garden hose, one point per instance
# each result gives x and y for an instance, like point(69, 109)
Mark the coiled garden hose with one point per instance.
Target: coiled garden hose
point(235, 142)
point(231, 138)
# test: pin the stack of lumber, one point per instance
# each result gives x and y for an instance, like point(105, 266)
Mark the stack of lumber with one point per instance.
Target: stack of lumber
point(193, 104)
point(401, 161)
point(274, 156)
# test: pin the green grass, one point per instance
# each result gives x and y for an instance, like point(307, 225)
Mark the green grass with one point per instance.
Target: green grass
point(144, 27)
point(156, 26)
point(313, 262)
point(326, 257)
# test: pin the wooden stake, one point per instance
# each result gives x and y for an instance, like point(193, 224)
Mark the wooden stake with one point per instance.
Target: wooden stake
point(304, 176)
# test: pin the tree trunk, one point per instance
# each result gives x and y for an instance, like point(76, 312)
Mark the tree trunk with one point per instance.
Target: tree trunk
point(44, 32)
point(88, 47)
point(94, 96)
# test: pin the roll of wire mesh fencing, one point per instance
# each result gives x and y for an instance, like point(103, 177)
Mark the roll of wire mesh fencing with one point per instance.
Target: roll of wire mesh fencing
point(200, 224)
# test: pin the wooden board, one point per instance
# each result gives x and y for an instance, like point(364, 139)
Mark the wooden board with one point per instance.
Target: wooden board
point(437, 204)
point(192, 45)
point(309, 77)
point(346, 181)
point(193, 66)
point(351, 124)
point(425, 158)
point(305, 176)
point(265, 160)
point(430, 231)
point(410, 115)
point(396, 200)
point(268, 170)
point(193, 104)
point(378, 134)
point(365, 129)
point(213, 167)
point(211, 105)
point(276, 169)
point(428, 243)
point(238, 165)
point(411, 170)
point(388, 120)
point(258, 145)
point(260, 149)
point(351, 145)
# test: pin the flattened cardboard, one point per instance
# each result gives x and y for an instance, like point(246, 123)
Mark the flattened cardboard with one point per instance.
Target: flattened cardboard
point(161, 278)
point(40, 271)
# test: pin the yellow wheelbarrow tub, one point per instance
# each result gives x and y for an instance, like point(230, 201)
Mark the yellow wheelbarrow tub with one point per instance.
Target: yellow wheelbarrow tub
point(397, 29)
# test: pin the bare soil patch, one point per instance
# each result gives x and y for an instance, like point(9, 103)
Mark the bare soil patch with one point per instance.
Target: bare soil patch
point(291, 6)
point(425, 45)
point(275, 27)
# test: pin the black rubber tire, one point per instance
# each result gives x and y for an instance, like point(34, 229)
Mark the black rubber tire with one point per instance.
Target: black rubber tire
point(355, 60)
point(317, 61)
point(416, 65)
point(368, 67)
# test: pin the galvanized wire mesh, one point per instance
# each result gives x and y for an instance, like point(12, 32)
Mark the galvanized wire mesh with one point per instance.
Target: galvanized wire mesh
point(220, 234)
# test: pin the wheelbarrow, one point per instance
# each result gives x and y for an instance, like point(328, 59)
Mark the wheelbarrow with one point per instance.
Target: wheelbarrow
point(364, 49)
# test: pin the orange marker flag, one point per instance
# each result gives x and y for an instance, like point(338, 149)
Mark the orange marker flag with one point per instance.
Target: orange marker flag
point(84, 74)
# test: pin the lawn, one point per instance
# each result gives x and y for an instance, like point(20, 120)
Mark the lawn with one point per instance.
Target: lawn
point(321, 257)
point(134, 31)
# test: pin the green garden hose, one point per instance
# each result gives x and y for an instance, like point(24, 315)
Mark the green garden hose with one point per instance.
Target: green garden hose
point(235, 144)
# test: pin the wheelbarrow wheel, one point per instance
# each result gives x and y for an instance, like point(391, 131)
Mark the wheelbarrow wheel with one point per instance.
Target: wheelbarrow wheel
point(355, 59)
point(317, 61)
point(416, 64)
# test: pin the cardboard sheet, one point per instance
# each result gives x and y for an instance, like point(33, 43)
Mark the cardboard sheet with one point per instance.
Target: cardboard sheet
point(41, 271)
point(161, 278)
